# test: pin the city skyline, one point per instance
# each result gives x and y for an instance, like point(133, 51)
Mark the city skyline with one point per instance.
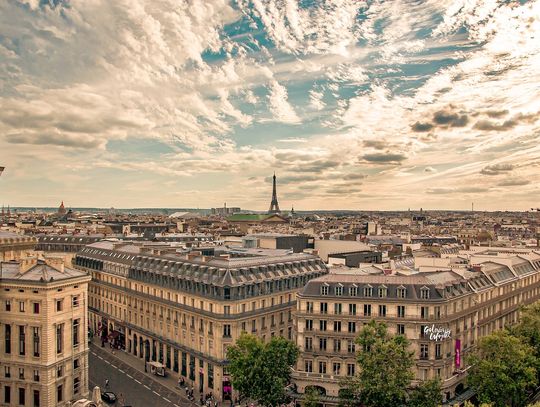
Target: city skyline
point(386, 105)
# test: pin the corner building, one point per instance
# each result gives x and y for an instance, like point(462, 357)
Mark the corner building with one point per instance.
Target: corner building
point(43, 346)
point(185, 309)
point(442, 313)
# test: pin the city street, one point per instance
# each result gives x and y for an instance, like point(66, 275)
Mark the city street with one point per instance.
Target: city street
point(138, 389)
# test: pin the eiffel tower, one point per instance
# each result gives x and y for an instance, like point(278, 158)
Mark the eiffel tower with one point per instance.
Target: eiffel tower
point(274, 206)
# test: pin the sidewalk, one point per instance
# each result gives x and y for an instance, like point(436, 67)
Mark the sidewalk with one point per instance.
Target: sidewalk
point(170, 381)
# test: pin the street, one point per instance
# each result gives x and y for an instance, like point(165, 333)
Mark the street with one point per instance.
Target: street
point(138, 389)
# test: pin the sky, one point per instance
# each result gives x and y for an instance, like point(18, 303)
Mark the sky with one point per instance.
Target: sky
point(377, 105)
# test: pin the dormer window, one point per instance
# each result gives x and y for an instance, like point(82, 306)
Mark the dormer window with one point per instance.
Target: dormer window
point(368, 291)
point(383, 291)
point(401, 292)
point(339, 290)
point(324, 289)
point(424, 293)
point(353, 291)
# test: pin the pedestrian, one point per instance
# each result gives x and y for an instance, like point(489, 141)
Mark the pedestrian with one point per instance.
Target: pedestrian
point(106, 383)
point(145, 369)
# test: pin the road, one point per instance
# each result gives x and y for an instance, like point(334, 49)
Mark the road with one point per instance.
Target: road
point(138, 389)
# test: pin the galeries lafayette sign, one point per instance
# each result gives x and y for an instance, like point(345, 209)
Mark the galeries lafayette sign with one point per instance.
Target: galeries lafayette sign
point(437, 333)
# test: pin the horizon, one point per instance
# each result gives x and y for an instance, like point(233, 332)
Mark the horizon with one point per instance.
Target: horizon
point(353, 106)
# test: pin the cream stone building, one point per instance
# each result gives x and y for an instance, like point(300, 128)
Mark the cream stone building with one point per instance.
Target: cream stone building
point(185, 309)
point(43, 320)
point(442, 313)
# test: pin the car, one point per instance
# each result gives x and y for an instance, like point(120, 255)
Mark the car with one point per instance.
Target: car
point(108, 397)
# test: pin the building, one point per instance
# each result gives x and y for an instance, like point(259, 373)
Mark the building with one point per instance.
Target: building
point(442, 313)
point(354, 259)
point(186, 309)
point(14, 246)
point(245, 221)
point(274, 205)
point(43, 320)
point(296, 243)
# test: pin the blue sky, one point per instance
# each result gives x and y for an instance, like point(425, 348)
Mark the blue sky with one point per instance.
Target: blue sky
point(355, 105)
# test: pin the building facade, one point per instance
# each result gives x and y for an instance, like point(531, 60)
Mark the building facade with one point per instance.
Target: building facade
point(43, 320)
point(184, 310)
point(442, 313)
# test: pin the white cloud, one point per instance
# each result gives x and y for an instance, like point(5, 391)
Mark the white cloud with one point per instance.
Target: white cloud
point(279, 104)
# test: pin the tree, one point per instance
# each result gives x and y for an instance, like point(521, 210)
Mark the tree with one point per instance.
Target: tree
point(261, 371)
point(503, 369)
point(385, 375)
point(528, 328)
point(426, 394)
point(311, 397)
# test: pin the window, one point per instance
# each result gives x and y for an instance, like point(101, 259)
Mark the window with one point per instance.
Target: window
point(400, 329)
point(309, 307)
point(226, 331)
point(322, 343)
point(7, 394)
point(437, 312)
point(424, 312)
point(438, 352)
point(59, 338)
point(22, 340)
point(324, 308)
point(7, 339)
point(424, 351)
point(76, 364)
point(35, 341)
point(353, 291)
point(227, 309)
point(339, 291)
point(308, 366)
point(76, 385)
point(254, 326)
point(59, 371)
point(337, 308)
point(352, 327)
point(322, 367)
point(8, 305)
point(59, 394)
point(367, 310)
point(58, 305)
point(368, 291)
point(336, 368)
point(21, 306)
point(401, 292)
point(308, 344)
point(324, 290)
point(75, 301)
point(36, 398)
point(351, 346)
point(337, 326)
point(22, 396)
point(36, 307)
point(383, 291)
point(309, 325)
point(352, 309)
point(424, 293)
point(351, 369)
point(36, 375)
point(7, 371)
point(322, 325)
point(382, 310)
point(337, 345)
point(401, 311)
point(21, 373)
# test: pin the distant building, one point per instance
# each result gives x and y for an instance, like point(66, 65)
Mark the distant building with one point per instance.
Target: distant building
point(353, 259)
point(225, 211)
point(245, 220)
point(43, 325)
point(62, 210)
point(296, 243)
point(274, 205)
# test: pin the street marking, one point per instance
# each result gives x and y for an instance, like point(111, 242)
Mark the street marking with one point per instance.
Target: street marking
point(128, 375)
point(138, 381)
point(147, 387)
point(100, 357)
point(106, 361)
point(121, 370)
point(167, 400)
point(176, 405)
point(156, 393)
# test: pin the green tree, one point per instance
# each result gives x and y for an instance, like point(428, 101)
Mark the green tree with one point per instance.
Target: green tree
point(503, 368)
point(426, 394)
point(528, 328)
point(385, 369)
point(261, 371)
point(311, 397)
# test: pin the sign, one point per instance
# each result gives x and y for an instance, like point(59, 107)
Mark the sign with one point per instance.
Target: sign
point(437, 333)
point(458, 353)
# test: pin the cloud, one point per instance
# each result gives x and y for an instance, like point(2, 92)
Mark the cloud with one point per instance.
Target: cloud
point(430, 169)
point(450, 118)
point(57, 139)
point(487, 125)
point(376, 144)
point(422, 127)
point(384, 158)
point(280, 106)
point(511, 182)
point(457, 190)
point(316, 100)
point(496, 169)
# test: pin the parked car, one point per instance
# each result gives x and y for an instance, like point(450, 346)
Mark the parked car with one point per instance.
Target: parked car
point(108, 397)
